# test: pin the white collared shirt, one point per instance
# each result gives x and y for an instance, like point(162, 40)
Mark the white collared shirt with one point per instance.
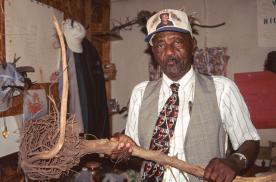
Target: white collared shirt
point(233, 110)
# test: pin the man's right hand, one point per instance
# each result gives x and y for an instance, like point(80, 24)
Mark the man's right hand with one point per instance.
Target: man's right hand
point(124, 148)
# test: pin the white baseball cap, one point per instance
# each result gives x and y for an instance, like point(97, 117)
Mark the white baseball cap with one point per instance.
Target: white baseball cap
point(74, 33)
point(176, 21)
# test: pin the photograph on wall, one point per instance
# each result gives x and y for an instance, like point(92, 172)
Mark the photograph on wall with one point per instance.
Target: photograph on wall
point(35, 104)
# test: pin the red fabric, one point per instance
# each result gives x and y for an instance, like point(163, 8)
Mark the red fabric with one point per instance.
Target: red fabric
point(259, 92)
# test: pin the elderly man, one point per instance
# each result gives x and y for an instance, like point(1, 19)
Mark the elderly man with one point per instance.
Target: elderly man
point(186, 114)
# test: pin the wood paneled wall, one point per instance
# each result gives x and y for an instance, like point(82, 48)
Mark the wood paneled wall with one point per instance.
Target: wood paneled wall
point(93, 14)
point(2, 31)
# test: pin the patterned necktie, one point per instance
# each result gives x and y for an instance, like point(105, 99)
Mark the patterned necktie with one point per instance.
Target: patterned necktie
point(162, 134)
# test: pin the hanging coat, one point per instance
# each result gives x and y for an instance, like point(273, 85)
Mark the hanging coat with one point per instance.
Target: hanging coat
point(92, 92)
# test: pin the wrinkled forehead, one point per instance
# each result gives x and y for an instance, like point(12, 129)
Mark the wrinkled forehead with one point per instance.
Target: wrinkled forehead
point(170, 34)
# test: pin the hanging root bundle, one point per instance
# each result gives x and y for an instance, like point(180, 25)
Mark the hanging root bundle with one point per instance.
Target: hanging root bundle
point(50, 146)
point(41, 135)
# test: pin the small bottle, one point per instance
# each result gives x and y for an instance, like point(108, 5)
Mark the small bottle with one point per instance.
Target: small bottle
point(94, 168)
point(83, 176)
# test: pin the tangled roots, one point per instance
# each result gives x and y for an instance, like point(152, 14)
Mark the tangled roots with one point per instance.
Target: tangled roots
point(41, 135)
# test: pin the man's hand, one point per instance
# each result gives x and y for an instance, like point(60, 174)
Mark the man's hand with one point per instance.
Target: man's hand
point(220, 170)
point(225, 170)
point(124, 148)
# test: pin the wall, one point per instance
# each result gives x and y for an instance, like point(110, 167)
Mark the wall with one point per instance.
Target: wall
point(239, 35)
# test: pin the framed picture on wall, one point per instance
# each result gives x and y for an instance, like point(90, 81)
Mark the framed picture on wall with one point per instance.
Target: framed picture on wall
point(35, 104)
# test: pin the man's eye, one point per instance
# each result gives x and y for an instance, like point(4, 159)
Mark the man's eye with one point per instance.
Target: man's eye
point(178, 42)
point(160, 45)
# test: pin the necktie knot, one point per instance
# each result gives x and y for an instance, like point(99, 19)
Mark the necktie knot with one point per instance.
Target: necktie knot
point(174, 87)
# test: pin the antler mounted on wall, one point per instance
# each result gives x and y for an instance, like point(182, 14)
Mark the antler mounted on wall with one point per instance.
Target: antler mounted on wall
point(141, 21)
point(114, 33)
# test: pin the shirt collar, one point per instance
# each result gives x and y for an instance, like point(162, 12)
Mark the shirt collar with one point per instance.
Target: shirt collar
point(183, 81)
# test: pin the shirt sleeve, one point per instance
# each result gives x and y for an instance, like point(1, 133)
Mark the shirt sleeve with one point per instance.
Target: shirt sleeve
point(133, 111)
point(235, 115)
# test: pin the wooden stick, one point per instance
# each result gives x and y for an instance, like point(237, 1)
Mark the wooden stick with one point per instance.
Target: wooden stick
point(105, 146)
point(53, 151)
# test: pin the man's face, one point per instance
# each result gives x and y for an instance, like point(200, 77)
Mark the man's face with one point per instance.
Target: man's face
point(174, 53)
point(165, 18)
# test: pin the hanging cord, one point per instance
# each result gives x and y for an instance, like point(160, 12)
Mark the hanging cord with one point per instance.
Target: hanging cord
point(206, 21)
point(209, 26)
point(5, 132)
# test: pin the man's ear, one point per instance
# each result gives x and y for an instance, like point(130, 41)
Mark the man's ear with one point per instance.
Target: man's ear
point(194, 44)
point(151, 48)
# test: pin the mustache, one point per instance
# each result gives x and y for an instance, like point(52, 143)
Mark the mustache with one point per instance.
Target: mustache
point(171, 58)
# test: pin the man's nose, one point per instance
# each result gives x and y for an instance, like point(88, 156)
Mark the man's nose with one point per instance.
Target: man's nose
point(169, 49)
